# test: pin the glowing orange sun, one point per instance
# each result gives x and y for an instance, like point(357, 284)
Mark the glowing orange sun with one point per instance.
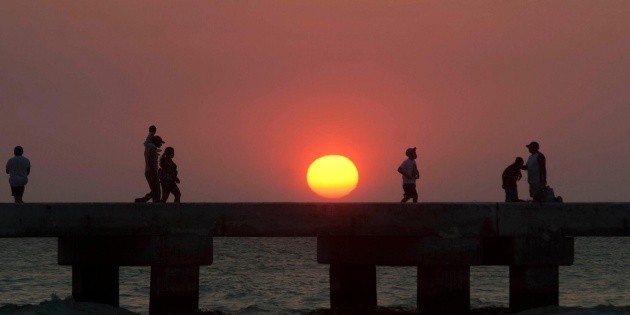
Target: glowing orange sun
point(332, 176)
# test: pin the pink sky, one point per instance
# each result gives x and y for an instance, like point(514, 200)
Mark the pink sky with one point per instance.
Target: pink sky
point(250, 92)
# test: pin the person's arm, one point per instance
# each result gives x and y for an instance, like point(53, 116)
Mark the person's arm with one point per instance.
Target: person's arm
point(28, 170)
point(7, 171)
point(402, 171)
point(542, 161)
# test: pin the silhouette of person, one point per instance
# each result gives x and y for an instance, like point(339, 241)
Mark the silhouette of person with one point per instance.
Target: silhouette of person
point(536, 167)
point(510, 176)
point(410, 174)
point(151, 170)
point(18, 168)
point(168, 175)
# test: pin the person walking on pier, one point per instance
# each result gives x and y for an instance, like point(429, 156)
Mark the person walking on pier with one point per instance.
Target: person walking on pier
point(410, 173)
point(151, 170)
point(18, 168)
point(510, 176)
point(536, 167)
point(168, 175)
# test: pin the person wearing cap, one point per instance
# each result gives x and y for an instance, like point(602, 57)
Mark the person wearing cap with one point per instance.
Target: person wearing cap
point(536, 167)
point(18, 168)
point(410, 173)
point(151, 170)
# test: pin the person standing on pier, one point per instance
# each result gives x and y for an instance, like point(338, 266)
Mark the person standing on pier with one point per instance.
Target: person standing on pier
point(536, 167)
point(151, 170)
point(510, 176)
point(168, 175)
point(410, 173)
point(18, 168)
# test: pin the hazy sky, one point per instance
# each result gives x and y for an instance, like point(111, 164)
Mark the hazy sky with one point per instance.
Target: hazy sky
point(250, 92)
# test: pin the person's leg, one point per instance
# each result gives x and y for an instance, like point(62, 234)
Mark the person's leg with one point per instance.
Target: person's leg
point(154, 183)
point(176, 193)
point(410, 193)
point(535, 191)
point(17, 192)
point(166, 190)
point(414, 194)
point(21, 194)
point(511, 194)
point(149, 195)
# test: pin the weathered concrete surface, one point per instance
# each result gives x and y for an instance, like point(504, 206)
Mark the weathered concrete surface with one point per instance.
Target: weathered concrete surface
point(446, 220)
point(533, 286)
point(528, 251)
point(444, 289)
point(98, 284)
point(398, 251)
point(352, 286)
point(180, 250)
point(568, 219)
point(174, 290)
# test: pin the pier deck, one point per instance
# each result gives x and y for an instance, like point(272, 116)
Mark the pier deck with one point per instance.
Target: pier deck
point(442, 239)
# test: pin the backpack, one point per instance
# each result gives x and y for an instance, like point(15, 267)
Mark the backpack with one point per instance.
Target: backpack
point(549, 196)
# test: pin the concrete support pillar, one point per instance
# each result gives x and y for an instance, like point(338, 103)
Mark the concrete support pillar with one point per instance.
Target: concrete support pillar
point(533, 265)
point(444, 289)
point(174, 262)
point(533, 286)
point(174, 290)
point(443, 268)
point(352, 286)
point(93, 283)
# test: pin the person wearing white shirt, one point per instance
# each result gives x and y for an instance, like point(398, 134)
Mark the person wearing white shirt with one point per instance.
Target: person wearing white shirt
point(536, 167)
point(409, 171)
point(18, 168)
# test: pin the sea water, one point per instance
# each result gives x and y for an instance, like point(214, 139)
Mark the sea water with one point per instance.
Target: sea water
point(282, 276)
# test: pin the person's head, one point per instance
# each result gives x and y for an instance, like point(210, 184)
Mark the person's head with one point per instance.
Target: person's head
point(157, 140)
point(169, 152)
point(411, 153)
point(152, 129)
point(519, 161)
point(18, 150)
point(533, 147)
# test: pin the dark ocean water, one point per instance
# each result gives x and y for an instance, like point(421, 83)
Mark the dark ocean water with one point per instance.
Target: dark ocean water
point(281, 276)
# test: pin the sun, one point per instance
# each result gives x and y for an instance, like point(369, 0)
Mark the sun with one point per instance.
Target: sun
point(332, 176)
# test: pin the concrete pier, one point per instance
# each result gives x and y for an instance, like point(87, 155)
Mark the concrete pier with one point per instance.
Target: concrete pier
point(174, 290)
point(444, 289)
point(441, 239)
point(174, 262)
point(95, 283)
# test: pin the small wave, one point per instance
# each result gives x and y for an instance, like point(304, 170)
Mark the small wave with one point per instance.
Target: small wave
point(56, 306)
point(598, 310)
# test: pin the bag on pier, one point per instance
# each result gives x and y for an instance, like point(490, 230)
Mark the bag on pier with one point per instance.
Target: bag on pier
point(549, 196)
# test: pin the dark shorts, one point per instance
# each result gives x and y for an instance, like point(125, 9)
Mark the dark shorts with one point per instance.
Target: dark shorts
point(410, 191)
point(17, 191)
